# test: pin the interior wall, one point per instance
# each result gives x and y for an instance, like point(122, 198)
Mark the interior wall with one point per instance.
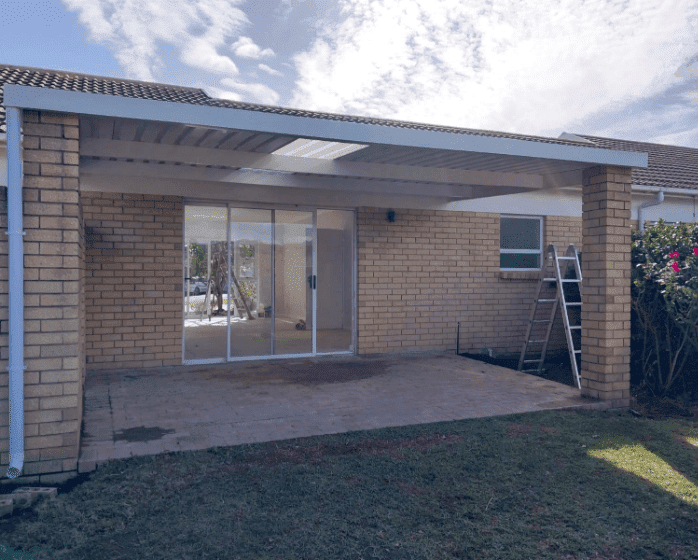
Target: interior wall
point(331, 288)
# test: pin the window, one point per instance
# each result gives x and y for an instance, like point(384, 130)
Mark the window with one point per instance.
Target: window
point(520, 243)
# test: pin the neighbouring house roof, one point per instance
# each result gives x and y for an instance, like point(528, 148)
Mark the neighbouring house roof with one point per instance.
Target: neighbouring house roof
point(667, 166)
point(85, 83)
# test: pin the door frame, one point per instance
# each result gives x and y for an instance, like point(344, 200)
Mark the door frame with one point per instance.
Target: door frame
point(273, 207)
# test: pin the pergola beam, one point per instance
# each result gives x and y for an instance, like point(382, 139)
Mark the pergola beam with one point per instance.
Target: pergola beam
point(252, 160)
point(246, 177)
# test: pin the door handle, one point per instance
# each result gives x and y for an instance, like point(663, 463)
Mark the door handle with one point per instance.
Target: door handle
point(312, 281)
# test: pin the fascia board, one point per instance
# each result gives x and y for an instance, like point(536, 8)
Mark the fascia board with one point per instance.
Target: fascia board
point(29, 97)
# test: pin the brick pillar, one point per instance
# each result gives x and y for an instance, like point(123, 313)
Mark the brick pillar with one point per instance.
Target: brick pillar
point(606, 245)
point(53, 323)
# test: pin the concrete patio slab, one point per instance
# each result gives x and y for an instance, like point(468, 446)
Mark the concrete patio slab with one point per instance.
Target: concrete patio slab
point(150, 411)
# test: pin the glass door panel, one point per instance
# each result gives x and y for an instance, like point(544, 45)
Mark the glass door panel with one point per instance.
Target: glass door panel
point(293, 271)
point(250, 282)
point(205, 271)
point(334, 280)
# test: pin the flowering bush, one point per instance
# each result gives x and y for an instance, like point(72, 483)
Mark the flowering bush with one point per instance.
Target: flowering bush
point(665, 302)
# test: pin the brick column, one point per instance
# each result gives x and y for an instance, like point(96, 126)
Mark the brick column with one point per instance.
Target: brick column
point(53, 323)
point(606, 272)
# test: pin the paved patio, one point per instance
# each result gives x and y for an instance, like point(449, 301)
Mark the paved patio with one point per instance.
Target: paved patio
point(145, 412)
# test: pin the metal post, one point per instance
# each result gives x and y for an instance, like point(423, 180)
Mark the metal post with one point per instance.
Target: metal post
point(458, 340)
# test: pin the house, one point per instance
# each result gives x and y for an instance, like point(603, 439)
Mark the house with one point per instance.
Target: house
point(342, 235)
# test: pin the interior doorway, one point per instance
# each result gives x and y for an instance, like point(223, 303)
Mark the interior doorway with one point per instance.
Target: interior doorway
point(267, 282)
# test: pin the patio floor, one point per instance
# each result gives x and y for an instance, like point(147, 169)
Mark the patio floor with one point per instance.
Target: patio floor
point(145, 412)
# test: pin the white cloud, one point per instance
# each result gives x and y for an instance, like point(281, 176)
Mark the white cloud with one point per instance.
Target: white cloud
point(529, 67)
point(197, 28)
point(270, 70)
point(247, 48)
point(261, 93)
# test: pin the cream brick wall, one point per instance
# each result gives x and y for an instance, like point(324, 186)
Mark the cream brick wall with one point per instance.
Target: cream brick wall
point(606, 268)
point(420, 275)
point(53, 353)
point(133, 292)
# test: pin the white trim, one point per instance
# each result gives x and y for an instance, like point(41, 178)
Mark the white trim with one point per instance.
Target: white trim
point(307, 127)
point(313, 288)
point(354, 284)
point(675, 192)
point(263, 358)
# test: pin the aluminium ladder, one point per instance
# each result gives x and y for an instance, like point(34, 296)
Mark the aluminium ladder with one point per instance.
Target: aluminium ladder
point(571, 255)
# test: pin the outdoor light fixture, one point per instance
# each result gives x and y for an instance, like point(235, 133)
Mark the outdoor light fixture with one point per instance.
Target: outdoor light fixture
point(391, 215)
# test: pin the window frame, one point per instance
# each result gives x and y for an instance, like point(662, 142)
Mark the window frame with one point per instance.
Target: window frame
point(523, 251)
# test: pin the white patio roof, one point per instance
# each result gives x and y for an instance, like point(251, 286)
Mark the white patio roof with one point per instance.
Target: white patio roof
point(127, 141)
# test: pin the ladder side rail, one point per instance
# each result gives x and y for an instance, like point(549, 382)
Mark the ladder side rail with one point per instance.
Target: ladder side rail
point(543, 277)
point(527, 339)
point(572, 252)
point(566, 319)
point(556, 270)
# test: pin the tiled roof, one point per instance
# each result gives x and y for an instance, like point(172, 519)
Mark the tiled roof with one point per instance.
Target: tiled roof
point(69, 81)
point(667, 166)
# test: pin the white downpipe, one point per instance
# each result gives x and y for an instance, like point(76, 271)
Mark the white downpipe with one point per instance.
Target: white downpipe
point(16, 289)
point(659, 200)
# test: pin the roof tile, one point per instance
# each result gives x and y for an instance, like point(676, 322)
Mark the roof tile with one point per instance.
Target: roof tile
point(69, 81)
point(667, 166)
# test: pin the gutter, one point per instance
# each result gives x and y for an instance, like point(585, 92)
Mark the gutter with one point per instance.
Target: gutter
point(16, 289)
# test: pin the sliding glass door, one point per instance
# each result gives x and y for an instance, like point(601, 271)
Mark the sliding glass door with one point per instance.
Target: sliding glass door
point(266, 282)
point(294, 282)
point(251, 251)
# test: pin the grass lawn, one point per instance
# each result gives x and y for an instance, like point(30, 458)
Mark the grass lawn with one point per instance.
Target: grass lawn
point(554, 484)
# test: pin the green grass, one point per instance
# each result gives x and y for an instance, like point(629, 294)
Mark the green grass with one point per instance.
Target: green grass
point(554, 484)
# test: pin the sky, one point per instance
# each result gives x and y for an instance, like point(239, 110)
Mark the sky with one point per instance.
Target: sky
point(618, 69)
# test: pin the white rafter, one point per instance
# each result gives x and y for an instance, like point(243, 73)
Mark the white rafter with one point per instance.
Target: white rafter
point(290, 164)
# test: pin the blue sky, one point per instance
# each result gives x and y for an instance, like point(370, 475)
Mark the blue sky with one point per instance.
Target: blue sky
point(620, 69)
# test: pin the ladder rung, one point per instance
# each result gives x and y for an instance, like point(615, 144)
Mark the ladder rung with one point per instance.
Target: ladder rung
point(529, 361)
point(549, 279)
point(577, 351)
point(535, 341)
point(573, 280)
point(528, 370)
point(574, 303)
point(545, 300)
point(565, 258)
point(541, 321)
point(576, 327)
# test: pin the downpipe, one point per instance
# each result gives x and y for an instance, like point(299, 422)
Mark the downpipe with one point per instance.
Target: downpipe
point(16, 289)
point(659, 200)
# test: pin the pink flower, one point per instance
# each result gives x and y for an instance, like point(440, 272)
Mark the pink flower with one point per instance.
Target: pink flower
point(695, 251)
point(673, 255)
point(675, 266)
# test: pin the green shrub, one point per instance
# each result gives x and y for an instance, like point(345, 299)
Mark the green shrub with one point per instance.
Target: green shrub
point(664, 306)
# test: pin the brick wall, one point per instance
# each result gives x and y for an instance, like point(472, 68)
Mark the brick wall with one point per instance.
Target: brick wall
point(52, 350)
point(606, 268)
point(420, 275)
point(133, 292)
